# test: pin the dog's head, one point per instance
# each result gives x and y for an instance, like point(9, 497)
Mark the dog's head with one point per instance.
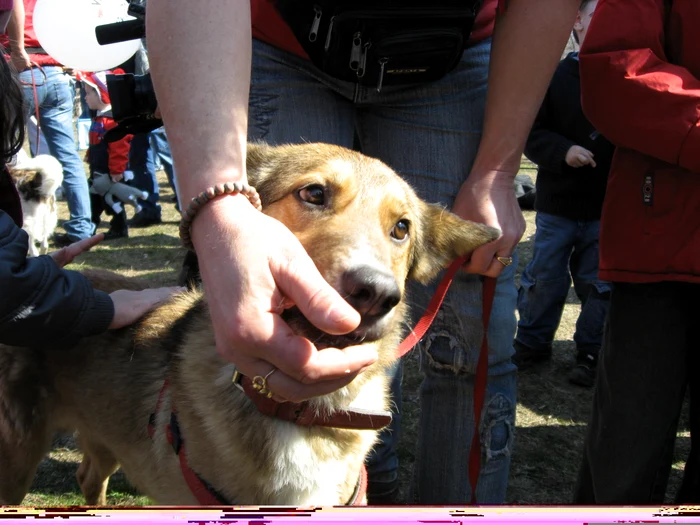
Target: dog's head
point(37, 178)
point(364, 227)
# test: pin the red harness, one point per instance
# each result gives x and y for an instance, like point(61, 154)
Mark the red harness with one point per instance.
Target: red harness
point(302, 413)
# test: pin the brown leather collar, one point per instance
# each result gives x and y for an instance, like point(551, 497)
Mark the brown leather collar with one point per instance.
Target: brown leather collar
point(305, 415)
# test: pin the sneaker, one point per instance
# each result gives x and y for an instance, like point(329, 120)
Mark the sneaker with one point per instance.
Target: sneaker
point(111, 234)
point(526, 357)
point(141, 220)
point(61, 240)
point(583, 374)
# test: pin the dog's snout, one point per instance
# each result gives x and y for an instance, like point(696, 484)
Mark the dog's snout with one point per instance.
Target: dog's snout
point(370, 291)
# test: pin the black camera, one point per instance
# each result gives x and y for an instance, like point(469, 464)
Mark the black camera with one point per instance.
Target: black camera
point(133, 98)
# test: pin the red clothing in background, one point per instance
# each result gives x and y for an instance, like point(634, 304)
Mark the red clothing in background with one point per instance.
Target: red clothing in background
point(641, 89)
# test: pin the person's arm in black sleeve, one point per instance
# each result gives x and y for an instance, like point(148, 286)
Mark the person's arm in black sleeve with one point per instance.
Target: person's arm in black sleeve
point(545, 147)
point(40, 303)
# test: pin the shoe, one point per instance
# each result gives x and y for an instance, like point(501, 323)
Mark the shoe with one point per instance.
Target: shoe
point(61, 240)
point(526, 357)
point(583, 374)
point(140, 220)
point(110, 235)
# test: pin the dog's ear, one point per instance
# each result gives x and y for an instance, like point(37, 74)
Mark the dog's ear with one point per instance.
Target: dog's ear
point(29, 182)
point(443, 238)
point(257, 158)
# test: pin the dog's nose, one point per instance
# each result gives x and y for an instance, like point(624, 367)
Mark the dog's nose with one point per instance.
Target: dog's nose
point(370, 291)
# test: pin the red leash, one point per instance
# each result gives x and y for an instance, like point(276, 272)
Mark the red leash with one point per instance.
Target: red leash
point(488, 294)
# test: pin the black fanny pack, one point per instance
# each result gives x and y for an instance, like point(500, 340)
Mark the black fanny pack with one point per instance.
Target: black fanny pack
point(382, 42)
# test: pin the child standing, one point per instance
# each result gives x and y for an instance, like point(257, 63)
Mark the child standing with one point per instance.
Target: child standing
point(573, 161)
point(103, 156)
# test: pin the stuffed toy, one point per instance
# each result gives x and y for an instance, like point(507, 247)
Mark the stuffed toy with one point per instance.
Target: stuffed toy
point(102, 184)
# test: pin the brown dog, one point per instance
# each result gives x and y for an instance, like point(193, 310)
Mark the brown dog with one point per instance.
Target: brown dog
point(367, 232)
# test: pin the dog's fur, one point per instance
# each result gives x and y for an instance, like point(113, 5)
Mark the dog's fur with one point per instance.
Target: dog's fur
point(343, 207)
point(37, 180)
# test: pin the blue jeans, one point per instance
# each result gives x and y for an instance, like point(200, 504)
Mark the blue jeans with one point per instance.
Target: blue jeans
point(55, 92)
point(161, 151)
point(429, 134)
point(563, 249)
point(142, 163)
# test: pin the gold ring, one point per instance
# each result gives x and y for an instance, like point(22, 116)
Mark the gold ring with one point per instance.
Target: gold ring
point(505, 261)
point(260, 383)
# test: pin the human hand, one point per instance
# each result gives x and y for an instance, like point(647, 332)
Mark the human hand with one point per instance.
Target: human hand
point(116, 177)
point(253, 268)
point(130, 305)
point(66, 255)
point(20, 59)
point(490, 199)
point(577, 157)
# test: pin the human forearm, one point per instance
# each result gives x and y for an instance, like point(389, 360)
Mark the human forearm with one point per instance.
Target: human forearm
point(202, 77)
point(15, 27)
point(527, 45)
point(43, 303)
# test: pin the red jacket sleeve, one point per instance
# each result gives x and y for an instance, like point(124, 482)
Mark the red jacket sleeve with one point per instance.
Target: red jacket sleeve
point(118, 151)
point(630, 91)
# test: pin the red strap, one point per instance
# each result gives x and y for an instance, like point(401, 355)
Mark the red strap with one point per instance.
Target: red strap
point(488, 294)
point(199, 490)
point(431, 311)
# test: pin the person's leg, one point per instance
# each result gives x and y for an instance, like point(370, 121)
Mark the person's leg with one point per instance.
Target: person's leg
point(161, 149)
point(639, 392)
point(141, 163)
point(117, 226)
point(56, 120)
point(689, 493)
point(544, 286)
point(595, 298)
point(430, 135)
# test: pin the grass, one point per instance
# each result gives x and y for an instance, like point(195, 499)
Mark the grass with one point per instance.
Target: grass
point(551, 413)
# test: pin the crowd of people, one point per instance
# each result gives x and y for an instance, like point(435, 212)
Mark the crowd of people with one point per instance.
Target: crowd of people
point(458, 139)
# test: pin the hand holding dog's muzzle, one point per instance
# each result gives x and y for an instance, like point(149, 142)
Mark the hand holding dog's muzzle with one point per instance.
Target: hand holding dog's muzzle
point(247, 321)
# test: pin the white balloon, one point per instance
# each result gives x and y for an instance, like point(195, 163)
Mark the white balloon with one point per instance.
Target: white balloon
point(66, 31)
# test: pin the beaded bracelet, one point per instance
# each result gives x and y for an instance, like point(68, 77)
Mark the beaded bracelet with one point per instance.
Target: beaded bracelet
point(228, 188)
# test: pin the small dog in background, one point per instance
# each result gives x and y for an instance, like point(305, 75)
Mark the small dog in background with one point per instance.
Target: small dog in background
point(37, 180)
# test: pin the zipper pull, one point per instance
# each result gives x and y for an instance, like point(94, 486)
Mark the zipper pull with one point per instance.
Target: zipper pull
point(382, 63)
point(356, 51)
point(329, 33)
point(363, 60)
point(313, 34)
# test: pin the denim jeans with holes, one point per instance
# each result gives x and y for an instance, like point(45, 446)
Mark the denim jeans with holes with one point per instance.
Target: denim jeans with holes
point(563, 249)
point(54, 94)
point(429, 134)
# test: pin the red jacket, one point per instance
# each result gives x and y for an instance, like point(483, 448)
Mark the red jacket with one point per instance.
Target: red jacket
point(269, 27)
point(107, 157)
point(30, 40)
point(640, 71)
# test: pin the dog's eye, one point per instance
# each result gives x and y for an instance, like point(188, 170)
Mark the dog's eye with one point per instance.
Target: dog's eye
point(400, 230)
point(314, 194)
